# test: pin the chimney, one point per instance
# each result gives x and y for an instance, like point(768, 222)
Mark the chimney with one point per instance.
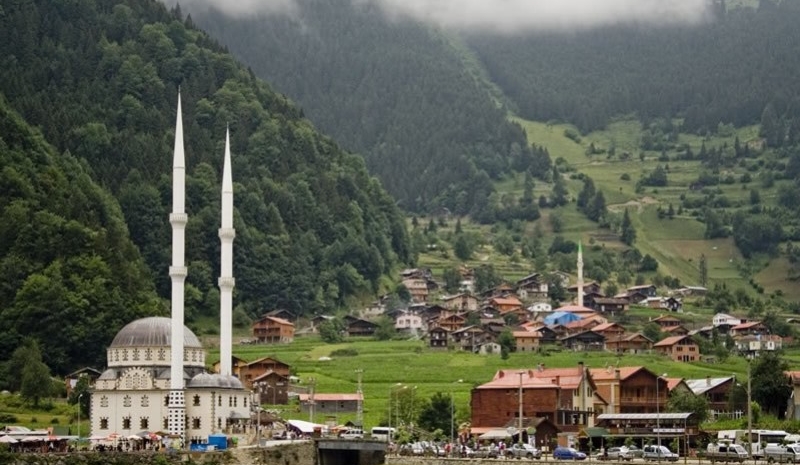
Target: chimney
point(708, 381)
point(616, 374)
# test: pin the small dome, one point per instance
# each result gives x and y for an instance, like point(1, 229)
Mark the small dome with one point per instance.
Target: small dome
point(152, 332)
point(215, 381)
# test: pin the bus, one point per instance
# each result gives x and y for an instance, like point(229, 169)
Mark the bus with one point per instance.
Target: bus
point(382, 433)
point(759, 438)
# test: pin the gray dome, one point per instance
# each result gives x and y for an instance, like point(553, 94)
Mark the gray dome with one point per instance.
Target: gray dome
point(215, 381)
point(152, 332)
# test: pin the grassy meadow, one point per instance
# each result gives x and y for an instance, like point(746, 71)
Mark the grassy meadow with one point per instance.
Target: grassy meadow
point(676, 243)
point(408, 365)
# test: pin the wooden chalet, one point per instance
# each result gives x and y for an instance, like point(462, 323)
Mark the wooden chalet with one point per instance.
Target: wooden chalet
point(88, 373)
point(751, 328)
point(461, 302)
point(609, 330)
point(469, 339)
point(635, 343)
point(452, 321)
point(610, 305)
point(665, 321)
point(586, 340)
point(505, 304)
point(257, 368)
point(283, 314)
point(677, 330)
point(584, 324)
point(272, 388)
point(534, 286)
point(358, 327)
point(438, 338)
point(679, 348)
point(649, 290)
point(588, 288)
point(273, 330)
point(527, 341)
point(631, 389)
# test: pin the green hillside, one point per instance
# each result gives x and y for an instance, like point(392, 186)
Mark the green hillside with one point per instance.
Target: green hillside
point(100, 80)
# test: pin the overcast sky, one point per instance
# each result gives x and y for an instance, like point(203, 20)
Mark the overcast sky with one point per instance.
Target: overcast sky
point(504, 16)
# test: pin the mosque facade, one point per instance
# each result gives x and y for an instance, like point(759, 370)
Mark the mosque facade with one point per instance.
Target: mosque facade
point(146, 386)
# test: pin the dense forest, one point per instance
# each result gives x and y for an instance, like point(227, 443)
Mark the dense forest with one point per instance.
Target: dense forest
point(725, 71)
point(409, 98)
point(85, 236)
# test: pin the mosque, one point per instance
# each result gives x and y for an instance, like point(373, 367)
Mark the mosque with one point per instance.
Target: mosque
point(156, 377)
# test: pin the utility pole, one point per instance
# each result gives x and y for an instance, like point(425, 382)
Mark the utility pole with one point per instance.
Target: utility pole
point(360, 400)
point(311, 383)
point(749, 415)
point(519, 429)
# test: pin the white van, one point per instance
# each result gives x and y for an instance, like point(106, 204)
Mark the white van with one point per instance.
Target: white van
point(352, 433)
point(779, 453)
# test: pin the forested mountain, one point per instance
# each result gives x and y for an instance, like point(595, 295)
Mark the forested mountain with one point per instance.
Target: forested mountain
point(69, 268)
point(100, 78)
point(404, 95)
point(726, 71)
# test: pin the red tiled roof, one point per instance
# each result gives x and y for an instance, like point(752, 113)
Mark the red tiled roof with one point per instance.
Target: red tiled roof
point(673, 382)
point(749, 324)
point(506, 301)
point(600, 374)
point(669, 341)
point(565, 378)
point(605, 326)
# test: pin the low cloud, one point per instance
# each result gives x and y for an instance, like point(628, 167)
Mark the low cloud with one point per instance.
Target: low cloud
point(513, 16)
point(501, 16)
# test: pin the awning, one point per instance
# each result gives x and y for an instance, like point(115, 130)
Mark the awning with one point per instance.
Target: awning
point(593, 432)
point(304, 426)
point(496, 433)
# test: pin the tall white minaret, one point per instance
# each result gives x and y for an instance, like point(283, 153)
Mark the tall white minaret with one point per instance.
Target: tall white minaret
point(226, 281)
point(580, 275)
point(176, 405)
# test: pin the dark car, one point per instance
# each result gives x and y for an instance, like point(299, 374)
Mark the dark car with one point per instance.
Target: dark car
point(568, 453)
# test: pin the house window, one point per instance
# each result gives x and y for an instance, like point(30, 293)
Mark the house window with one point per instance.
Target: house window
point(244, 402)
point(219, 423)
point(165, 425)
point(230, 401)
point(144, 423)
point(126, 423)
point(196, 423)
point(166, 401)
point(219, 401)
point(235, 399)
point(196, 401)
point(104, 423)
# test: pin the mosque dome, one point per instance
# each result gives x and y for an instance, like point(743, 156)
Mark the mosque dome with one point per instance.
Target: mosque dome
point(151, 332)
point(215, 381)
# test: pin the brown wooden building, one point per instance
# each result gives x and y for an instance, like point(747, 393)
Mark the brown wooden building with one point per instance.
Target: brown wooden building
point(273, 330)
point(629, 343)
point(679, 348)
point(631, 389)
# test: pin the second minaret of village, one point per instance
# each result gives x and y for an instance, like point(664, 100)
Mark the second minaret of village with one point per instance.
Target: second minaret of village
point(580, 275)
point(226, 281)
point(176, 405)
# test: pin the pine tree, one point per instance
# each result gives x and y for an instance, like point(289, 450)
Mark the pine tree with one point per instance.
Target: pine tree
point(627, 231)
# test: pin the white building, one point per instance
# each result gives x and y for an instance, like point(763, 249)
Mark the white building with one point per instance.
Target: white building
point(723, 319)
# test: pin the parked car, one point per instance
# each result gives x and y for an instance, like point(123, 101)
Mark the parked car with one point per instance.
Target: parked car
point(634, 452)
point(724, 452)
point(616, 453)
point(659, 453)
point(779, 453)
point(568, 453)
point(523, 450)
point(486, 452)
point(352, 433)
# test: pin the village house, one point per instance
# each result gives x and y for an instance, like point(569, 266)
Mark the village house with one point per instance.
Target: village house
point(631, 389)
point(564, 396)
point(666, 321)
point(534, 286)
point(527, 341)
point(610, 305)
point(679, 348)
point(648, 290)
point(588, 288)
point(253, 370)
point(677, 385)
point(417, 288)
point(609, 330)
point(88, 373)
point(438, 338)
point(273, 330)
point(469, 339)
point(505, 304)
point(540, 307)
point(724, 322)
point(677, 330)
point(272, 388)
point(752, 346)
point(408, 323)
point(692, 291)
point(461, 302)
point(584, 324)
point(751, 328)
point(358, 327)
point(330, 404)
point(490, 348)
point(586, 340)
point(635, 343)
point(452, 321)
point(283, 314)
point(717, 392)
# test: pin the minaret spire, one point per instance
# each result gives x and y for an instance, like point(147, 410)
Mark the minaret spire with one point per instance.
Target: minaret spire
point(226, 281)
point(176, 405)
point(580, 274)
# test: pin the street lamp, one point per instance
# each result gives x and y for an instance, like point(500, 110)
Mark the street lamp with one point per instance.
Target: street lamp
point(658, 415)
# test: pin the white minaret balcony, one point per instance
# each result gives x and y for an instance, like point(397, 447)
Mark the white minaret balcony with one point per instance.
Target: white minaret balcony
point(178, 271)
point(178, 219)
point(226, 282)
point(227, 233)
